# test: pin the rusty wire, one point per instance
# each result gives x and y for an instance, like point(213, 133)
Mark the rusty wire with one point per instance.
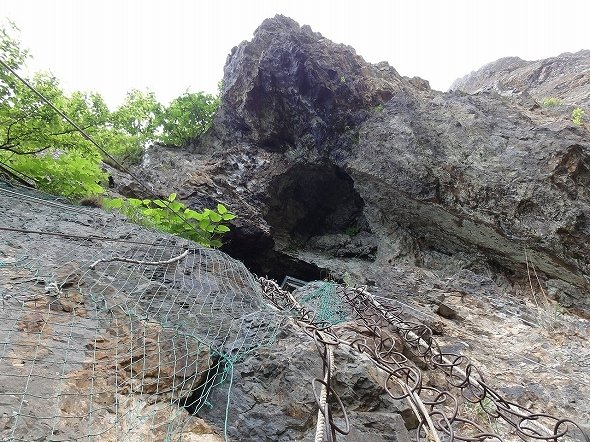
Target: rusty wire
point(382, 335)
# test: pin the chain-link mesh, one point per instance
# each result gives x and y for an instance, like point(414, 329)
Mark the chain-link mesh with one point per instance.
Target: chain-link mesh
point(119, 337)
point(113, 332)
point(322, 298)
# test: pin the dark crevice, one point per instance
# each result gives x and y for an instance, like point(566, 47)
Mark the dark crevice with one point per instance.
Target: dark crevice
point(311, 200)
point(305, 202)
point(198, 397)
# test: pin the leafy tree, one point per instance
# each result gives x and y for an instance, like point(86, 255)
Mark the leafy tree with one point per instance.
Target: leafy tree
point(134, 125)
point(139, 115)
point(37, 142)
point(188, 117)
point(70, 174)
point(12, 55)
point(34, 141)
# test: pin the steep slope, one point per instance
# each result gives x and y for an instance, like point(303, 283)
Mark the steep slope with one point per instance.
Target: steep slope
point(471, 212)
point(326, 156)
point(566, 77)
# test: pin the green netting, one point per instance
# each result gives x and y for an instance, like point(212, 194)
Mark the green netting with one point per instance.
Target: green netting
point(326, 303)
point(113, 332)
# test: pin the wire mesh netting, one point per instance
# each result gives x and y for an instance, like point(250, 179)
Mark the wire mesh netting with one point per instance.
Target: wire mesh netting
point(119, 337)
point(323, 299)
point(113, 332)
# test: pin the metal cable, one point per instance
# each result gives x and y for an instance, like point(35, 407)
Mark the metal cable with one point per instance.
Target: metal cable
point(91, 140)
point(382, 327)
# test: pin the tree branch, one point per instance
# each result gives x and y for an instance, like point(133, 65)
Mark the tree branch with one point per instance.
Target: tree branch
point(18, 152)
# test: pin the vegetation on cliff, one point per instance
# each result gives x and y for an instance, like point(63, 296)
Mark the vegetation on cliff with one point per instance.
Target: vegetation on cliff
point(37, 145)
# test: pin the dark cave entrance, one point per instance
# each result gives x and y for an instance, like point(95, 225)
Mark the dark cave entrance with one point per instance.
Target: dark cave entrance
point(312, 200)
point(304, 202)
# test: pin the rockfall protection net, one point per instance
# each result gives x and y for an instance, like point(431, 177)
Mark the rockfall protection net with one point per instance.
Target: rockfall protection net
point(113, 332)
point(393, 344)
point(325, 301)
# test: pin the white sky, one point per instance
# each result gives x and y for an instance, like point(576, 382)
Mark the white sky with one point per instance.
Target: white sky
point(169, 46)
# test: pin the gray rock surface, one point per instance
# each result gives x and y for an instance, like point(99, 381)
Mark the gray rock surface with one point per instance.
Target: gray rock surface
point(336, 166)
point(112, 351)
point(274, 400)
point(115, 351)
point(311, 142)
point(566, 77)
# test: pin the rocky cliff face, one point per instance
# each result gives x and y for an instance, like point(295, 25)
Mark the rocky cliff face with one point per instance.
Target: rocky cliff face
point(300, 92)
point(566, 77)
point(341, 168)
point(471, 211)
point(326, 156)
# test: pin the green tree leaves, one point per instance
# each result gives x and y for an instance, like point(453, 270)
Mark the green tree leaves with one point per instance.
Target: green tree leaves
point(188, 117)
point(37, 142)
point(174, 217)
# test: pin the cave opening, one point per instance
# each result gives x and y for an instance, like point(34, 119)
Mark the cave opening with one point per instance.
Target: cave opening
point(312, 200)
point(305, 202)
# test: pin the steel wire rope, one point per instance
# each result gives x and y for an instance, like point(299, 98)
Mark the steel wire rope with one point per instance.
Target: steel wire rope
point(68, 207)
point(517, 417)
point(91, 140)
point(526, 417)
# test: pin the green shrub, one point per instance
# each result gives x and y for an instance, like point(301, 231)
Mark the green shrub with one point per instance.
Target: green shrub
point(551, 101)
point(174, 217)
point(352, 231)
point(577, 116)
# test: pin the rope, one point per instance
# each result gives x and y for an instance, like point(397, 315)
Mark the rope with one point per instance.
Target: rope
point(136, 261)
point(85, 237)
point(229, 367)
point(13, 194)
point(321, 424)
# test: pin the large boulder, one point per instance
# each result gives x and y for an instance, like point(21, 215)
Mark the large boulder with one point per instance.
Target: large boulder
point(291, 88)
point(311, 140)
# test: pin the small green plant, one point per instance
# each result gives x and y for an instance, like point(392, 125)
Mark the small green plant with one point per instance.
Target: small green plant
point(483, 412)
point(342, 79)
point(577, 116)
point(352, 231)
point(551, 101)
point(174, 217)
point(378, 108)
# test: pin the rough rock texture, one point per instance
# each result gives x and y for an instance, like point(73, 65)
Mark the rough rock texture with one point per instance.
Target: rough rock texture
point(111, 351)
point(301, 91)
point(310, 140)
point(342, 168)
point(273, 399)
point(566, 77)
point(114, 351)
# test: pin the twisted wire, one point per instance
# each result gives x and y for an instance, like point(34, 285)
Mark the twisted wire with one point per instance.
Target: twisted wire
point(383, 335)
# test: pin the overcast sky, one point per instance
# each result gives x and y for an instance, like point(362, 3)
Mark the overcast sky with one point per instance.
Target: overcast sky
point(169, 46)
